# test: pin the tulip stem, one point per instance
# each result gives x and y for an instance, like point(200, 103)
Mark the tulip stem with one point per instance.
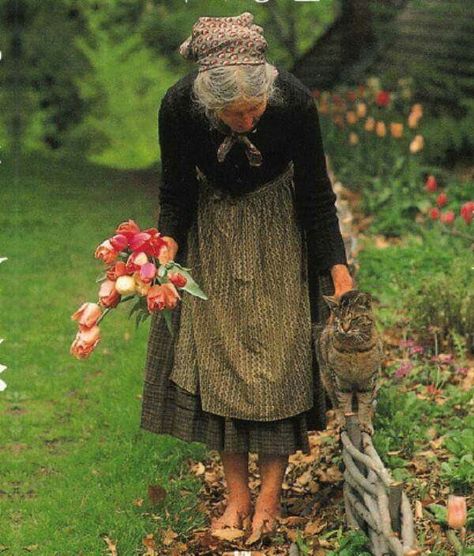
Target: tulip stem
point(455, 542)
point(103, 315)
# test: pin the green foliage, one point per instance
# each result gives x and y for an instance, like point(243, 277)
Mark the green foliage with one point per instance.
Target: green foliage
point(459, 469)
point(400, 423)
point(104, 66)
point(427, 279)
point(123, 90)
point(354, 543)
point(449, 137)
point(82, 465)
point(40, 65)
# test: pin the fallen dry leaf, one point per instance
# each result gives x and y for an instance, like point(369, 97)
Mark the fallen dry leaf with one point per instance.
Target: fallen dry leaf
point(149, 543)
point(111, 546)
point(169, 537)
point(228, 534)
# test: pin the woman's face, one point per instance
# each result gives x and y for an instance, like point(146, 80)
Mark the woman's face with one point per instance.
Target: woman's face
point(241, 116)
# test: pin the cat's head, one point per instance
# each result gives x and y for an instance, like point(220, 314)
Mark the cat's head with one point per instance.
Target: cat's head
point(351, 315)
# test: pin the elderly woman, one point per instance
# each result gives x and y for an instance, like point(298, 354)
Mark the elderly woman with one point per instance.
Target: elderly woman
point(247, 205)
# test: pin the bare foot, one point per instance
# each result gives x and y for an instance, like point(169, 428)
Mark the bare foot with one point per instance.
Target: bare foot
point(233, 515)
point(266, 516)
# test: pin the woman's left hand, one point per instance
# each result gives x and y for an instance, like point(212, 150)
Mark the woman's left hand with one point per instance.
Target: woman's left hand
point(342, 279)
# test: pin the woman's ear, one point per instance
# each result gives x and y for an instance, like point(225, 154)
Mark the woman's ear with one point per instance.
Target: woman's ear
point(331, 302)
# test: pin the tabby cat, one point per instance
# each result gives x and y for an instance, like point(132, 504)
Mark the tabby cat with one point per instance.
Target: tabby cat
point(350, 355)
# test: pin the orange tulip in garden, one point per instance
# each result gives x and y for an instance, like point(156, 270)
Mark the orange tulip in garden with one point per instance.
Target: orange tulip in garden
point(139, 268)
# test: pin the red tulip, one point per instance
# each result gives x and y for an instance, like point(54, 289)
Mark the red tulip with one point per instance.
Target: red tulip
point(164, 296)
point(467, 212)
point(448, 217)
point(119, 269)
point(177, 279)
point(431, 184)
point(457, 511)
point(135, 261)
point(382, 98)
point(128, 229)
point(442, 200)
point(434, 213)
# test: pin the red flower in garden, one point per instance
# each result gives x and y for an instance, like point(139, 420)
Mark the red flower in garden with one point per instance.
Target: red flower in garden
point(448, 217)
point(441, 200)
point(382, 98)
point(431, 185)
point(434, 213)
point(467, 212)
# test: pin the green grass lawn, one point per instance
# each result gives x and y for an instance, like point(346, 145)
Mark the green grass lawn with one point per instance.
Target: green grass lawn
point(74, 462)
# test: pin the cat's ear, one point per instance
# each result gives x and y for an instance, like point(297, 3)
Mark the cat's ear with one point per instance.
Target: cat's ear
point(331, 302)
point(365, 299)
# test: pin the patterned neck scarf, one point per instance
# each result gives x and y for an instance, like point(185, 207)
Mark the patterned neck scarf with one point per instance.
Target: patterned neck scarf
point(253, 154)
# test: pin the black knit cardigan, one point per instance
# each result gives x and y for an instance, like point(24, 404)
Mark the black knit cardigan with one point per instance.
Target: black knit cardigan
point(288, 131)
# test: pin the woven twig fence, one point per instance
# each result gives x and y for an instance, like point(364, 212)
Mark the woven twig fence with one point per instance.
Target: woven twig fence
point(374, 502)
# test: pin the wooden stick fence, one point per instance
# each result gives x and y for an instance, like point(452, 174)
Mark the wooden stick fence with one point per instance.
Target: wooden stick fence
point(374, 502)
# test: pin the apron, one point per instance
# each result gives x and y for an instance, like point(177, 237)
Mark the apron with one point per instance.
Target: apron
point(247, 348)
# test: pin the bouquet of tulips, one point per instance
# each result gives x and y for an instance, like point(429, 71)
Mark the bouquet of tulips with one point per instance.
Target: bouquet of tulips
point(138, 268)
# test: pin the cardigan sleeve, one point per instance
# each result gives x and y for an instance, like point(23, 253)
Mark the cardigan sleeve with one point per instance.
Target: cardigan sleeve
point(179, 186)
point(315, 198)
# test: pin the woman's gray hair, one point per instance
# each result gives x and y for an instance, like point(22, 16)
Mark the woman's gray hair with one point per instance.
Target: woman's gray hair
point(218, 87)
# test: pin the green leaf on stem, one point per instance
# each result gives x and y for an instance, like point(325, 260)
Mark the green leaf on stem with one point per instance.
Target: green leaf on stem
point(191, 285)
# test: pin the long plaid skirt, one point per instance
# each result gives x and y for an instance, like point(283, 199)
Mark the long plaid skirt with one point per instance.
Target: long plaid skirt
point(169, 409)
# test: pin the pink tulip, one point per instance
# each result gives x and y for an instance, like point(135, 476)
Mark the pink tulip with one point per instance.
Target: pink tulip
point(87, 315)
point(119, 242)
point(147, 272)
point(106, 252)
point(108, 295)
point(457, 511)
point(85, 342)
point(164, 296)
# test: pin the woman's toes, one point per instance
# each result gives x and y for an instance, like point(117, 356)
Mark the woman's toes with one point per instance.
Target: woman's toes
point(233, 516)
point(265, 519)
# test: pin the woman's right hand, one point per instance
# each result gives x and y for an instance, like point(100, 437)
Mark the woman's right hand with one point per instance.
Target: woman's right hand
point(172, 247)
